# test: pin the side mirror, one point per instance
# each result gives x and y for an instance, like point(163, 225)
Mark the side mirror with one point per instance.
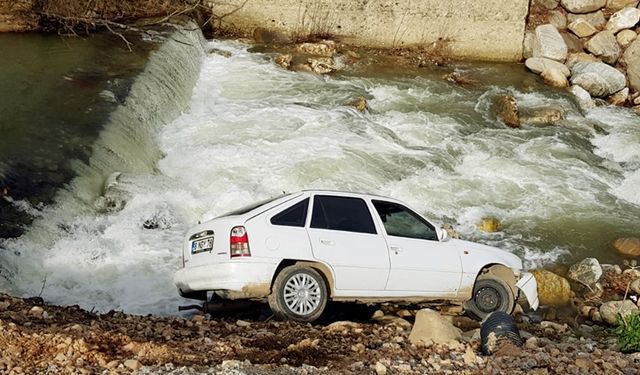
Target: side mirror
point(444, 235)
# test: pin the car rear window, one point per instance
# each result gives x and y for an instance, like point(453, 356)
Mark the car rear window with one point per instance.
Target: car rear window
point(341, 213)
point(251, 207)
point(294, 216)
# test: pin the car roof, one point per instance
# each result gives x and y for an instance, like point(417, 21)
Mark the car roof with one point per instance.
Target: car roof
point(340, 192)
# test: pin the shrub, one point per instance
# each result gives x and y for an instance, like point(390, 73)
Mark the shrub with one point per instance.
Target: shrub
point(628, 333)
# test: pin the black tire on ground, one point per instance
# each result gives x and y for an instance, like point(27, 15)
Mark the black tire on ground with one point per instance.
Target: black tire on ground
point(490, 294)
point(299, 294)
point(503, 327)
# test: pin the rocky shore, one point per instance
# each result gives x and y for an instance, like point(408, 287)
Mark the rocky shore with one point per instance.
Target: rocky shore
point(571, 334)
point(590, 46)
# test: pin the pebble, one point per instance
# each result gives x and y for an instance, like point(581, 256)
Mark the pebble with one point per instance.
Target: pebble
point(132, 364)
point(380, 369)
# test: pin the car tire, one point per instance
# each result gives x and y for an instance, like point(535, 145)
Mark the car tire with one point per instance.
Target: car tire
point(490, 294)
point(299, 294)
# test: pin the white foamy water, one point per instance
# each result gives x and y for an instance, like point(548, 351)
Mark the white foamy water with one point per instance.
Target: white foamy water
point(253, 130)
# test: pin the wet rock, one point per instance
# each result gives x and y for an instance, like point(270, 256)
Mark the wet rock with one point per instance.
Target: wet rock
point(583, 6)
point(302, 68)
point(610, 310)
point(325, 48)
point(283, 60)
point(623, 19)
point(627, 246)
point(619, 98)
point(243, 323)
point(596, 19)
point(605, 45)
point(582, 28)
point(451, 231)
point(543, 116)
point(586, 272)
point(506, 109)
point(583, 98)
point(541, 64)
point(626, 37)
point(4, 305)
point(613, 268)
point(553, 290)
point(360, 103)
point(460, 79)
point(548, 43)
point(555, 78)
point(598, 79)
point(631, 59)
point(490, 225)
point(217, 51)
point(615, 5)
point(431, 327)
point(322, 65)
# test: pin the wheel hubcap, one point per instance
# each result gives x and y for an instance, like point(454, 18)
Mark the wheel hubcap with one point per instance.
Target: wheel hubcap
point(302, 294)
point(488, 299)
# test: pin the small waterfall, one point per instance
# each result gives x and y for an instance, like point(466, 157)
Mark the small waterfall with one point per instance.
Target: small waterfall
point(127, 144)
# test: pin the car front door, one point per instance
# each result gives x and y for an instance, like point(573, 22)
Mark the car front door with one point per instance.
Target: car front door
point(343, 235)
point(419, 261)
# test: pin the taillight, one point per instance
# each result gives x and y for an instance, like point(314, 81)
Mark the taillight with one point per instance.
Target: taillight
point(239, 242)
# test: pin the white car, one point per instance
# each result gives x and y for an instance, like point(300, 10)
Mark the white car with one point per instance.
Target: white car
point(302, 249)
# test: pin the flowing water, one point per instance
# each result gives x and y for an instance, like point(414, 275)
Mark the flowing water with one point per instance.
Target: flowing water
point(251, 130)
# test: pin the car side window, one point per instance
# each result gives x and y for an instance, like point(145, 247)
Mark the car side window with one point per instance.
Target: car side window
point(341, 213)
point(400, 221)
point(294, 216)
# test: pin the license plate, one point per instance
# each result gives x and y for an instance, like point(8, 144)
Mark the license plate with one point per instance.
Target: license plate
point(201, 245)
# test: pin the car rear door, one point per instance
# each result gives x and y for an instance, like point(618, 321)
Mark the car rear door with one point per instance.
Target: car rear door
point(419, 262)
point(343, 234)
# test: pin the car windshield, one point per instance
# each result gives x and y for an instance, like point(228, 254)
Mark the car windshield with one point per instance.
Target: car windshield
point(253, 206)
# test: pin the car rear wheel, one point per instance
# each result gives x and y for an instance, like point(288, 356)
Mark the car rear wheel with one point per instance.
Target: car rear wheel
point(298, 293)
point(490, 294)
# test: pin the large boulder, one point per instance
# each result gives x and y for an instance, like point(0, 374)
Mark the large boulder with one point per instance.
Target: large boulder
point(432, 328)
point(548, 43)
point(605, 45)
point(623, 19)
point(575, 58)
point(615, 5)
point(631, 59)
point(586, 272)
point(596, 19)
point(609, 311)
point(540, 64)
point(599, 79)
point(583, 6)
point(553, 290)
point(629, 246)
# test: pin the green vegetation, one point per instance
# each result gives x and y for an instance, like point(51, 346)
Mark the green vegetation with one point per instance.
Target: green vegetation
point(628, 333)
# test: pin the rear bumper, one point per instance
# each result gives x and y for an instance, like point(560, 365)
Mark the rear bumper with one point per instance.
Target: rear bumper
point(529, 287)
point(232, 279)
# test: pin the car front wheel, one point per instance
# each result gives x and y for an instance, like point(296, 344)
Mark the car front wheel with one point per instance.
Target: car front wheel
point(490, 294)
point(298, 293)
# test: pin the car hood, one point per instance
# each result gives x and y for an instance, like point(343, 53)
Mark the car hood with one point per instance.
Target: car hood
point(490, 254)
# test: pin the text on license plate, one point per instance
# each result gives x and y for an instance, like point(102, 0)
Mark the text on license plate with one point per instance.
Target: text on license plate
point(204, 244)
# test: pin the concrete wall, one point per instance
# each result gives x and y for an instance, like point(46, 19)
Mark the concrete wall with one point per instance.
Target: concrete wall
point(476, 29)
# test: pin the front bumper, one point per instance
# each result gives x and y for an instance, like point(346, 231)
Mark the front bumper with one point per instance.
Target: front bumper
point(237, 278)
point(529, 287)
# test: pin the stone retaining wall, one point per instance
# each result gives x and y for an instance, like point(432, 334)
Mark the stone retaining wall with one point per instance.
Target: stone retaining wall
point(473, 29)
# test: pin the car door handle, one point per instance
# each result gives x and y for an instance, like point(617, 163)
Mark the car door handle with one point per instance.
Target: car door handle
point(395, 249)
point(327, 242)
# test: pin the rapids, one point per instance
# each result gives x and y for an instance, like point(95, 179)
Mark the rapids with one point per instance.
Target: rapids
point(201, 134)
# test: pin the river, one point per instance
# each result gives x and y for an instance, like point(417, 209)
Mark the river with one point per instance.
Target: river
point(199, 134)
